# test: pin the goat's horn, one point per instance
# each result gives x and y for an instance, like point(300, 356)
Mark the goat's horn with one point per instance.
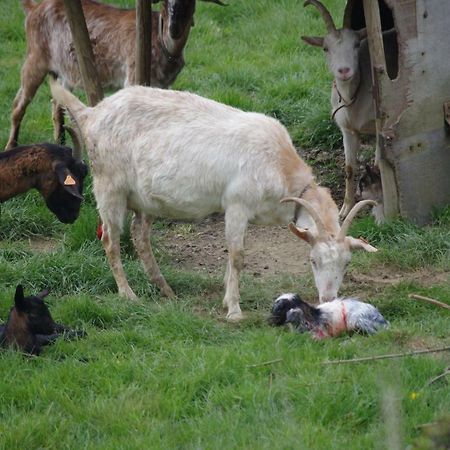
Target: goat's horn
point(217, 2)
point(331, 27)
point(312, 212)
point(351, 215)
point(77, 151)
point(347, 23)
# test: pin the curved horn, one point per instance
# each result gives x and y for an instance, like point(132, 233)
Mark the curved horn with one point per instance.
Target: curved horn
point(77, 151)
point(217, 2)
point(331, 27)
point(351, 215)
point(312, 212)
point(347, 23)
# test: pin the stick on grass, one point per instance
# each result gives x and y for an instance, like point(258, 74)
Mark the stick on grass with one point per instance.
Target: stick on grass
point(429, 300)
point(396, 355)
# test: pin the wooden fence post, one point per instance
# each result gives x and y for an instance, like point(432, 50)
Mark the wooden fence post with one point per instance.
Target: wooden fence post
point(143, 42)
point(83, 49)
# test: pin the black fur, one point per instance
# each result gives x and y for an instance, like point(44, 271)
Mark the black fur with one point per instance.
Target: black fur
point(292, 309)
point(30, 325)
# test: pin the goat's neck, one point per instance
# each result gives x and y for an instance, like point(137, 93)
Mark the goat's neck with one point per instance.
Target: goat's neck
point(10, 185)
point(348, 90)
point(21, 175)
point(323, 203)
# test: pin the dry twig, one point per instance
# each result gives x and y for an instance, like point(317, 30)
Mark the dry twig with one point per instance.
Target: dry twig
point(429, 300)
point(266, 363)
point(396, 355)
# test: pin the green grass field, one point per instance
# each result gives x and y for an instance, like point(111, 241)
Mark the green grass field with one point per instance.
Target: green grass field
point(173, 374)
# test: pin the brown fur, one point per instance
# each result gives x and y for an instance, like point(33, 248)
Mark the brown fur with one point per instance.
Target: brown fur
point(113, 35)
point(26, 170)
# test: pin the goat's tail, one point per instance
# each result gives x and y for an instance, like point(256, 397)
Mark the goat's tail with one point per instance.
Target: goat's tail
point(77, 110)
point(28, 5)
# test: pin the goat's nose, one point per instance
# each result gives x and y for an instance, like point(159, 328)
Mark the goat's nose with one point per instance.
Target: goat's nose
point(344, 70)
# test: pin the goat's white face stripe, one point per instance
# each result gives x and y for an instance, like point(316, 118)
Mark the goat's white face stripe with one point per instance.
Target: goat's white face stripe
point(329, 262)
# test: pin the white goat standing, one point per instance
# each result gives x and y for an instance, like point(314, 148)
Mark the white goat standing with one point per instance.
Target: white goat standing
point(348, 59)
point(163, 153)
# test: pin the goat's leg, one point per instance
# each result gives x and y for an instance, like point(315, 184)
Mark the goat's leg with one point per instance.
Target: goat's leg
point(111, 244)
point(140, 229)
point(58, 123)
point(235, 227)
point(351, 147)
point(33, 74)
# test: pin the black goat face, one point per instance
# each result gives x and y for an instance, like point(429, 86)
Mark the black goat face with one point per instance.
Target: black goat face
point(34, 312)
point(65, 200)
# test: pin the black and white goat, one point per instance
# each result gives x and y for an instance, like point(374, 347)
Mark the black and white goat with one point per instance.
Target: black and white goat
point(163, 153)
point(331, 319)
point(347, 55)
point(51, 169)
point(113, 36)
point(30, 325)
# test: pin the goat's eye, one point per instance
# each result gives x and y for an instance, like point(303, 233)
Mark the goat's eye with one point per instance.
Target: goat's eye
point(325, 49)
point(313, 262)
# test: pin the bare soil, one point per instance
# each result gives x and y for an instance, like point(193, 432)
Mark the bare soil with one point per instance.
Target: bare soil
point(268, 250)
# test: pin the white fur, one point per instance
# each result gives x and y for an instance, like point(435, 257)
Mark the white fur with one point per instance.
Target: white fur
point(347, 55)
point(163, 153)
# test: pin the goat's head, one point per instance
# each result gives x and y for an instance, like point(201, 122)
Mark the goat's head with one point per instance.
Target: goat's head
point(369, 185)
point(31, 312)
point(330, 255)
point(63, 193)
point(175, 21)
point(341, 46)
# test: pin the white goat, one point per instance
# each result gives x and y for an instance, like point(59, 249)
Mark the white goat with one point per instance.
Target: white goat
point(163, 153)
point(348, 59)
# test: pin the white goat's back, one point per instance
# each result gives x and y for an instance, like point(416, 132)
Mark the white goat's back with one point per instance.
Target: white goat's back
point(187, 156)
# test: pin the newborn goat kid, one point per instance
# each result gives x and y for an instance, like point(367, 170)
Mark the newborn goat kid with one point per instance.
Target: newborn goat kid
point(343, 315)
point(30, 325)
point(52, 170)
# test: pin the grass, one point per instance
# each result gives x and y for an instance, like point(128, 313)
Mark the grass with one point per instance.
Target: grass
point(173, 374)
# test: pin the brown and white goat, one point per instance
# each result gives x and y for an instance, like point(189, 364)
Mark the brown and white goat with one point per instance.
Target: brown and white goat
point(113, 36)
point(348, 59)
point(52, 170)
point(163, 153)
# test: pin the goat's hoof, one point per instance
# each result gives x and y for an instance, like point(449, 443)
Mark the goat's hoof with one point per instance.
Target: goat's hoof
point(167, 292)
point(235, 316)
point(128, 294)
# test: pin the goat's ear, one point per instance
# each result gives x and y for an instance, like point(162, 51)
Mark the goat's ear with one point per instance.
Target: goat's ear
point(313, 40)
point(67, 180)
point(19, 298)
point(43, 294)
point(360, 244)
point(301, 233)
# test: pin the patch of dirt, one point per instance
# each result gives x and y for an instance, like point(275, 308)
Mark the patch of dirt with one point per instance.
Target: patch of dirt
point(269, 250)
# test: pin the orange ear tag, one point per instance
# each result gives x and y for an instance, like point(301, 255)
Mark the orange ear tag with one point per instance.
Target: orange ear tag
point(69, 181)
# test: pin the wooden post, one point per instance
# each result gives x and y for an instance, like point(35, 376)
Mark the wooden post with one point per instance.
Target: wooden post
point(143, 42)
point(83, 49)
point(378, 62)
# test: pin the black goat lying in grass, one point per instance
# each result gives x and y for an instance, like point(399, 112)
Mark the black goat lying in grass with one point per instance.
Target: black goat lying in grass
point(55, 171)
point(330, 319)
point(30, 325)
